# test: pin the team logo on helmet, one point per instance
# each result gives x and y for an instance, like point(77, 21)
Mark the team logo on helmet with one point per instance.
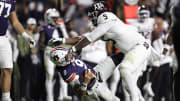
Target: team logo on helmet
point(95, 10)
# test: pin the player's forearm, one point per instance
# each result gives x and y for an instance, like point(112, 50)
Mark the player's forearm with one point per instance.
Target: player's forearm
point(82, 43)
point(72, 41)
point(169, 39)
point(15, 23)
point(109, 47)
point(18, 27)
point(83, 89)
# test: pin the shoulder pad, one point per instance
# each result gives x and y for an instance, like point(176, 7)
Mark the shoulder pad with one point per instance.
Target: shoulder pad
point(105, 17)
point(42, 28)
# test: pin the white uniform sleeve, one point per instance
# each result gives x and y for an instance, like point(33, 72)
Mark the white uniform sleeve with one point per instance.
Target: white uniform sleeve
point(99, 31)
point(105, 22)
point(63, 29)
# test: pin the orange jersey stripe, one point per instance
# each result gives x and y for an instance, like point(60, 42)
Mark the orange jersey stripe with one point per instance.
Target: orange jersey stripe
point(73, 76)
point(59, 21)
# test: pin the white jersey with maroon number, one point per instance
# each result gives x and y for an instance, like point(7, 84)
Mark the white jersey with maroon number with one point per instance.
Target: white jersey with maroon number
point(111, 27)
point(145, 28)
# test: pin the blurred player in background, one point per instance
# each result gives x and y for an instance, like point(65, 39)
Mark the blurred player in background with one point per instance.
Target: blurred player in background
point(136, 49)
point(162, 84)
point(144, 23)
point(7, 11)
point(54, 28)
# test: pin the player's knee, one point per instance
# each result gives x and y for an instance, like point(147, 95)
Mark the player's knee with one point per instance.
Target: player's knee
point(126, 67)
point(123, 72)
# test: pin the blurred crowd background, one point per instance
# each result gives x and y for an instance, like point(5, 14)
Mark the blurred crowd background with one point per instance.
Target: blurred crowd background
point(29, 70)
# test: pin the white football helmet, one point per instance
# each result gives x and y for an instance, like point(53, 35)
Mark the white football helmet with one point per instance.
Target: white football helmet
point(58, 56)
point(51, 15)
point(143, 13)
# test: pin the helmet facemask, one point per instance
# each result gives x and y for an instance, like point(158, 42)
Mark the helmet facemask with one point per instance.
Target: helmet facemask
point(59, 56)
point(143, 15)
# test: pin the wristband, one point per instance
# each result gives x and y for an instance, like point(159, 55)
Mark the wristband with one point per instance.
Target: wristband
point(63, 40)
point(83, 87)
point(73, 48)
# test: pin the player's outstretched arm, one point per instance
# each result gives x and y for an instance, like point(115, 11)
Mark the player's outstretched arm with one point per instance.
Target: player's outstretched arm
point(58, 41)
point(96, 34)
point(72, 41)
point(19, 28)
point(15, 23)
point(82, 43)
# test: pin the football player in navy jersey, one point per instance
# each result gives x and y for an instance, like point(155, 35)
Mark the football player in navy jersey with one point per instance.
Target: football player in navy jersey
point(7, 11)
point(53, 28)
point(83, 78)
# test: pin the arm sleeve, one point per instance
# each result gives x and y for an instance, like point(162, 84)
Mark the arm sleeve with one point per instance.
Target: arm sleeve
point(64, 31)
point(13, 5)
point(157, 44)
point(99, 31)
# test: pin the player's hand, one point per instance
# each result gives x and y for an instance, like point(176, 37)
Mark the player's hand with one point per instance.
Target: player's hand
point(56, 41)
point(148, 89)
point(88, 76)
point(30, 39)
point(72, 49)
point(32, 43)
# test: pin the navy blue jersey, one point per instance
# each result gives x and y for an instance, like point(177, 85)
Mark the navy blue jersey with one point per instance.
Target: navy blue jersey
point(6, 7)
point(75, 68)
point(49, 31)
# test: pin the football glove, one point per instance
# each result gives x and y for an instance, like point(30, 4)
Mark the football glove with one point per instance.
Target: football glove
point(30, 39)
point(148, 89)
point(56, 41)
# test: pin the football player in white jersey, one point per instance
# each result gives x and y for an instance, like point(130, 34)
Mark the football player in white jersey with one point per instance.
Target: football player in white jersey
point(136, 48)
point(144, 23)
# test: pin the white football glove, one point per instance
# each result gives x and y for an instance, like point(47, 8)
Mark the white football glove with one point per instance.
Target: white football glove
point(56, 41)
point(30, 39)
point(148, 89)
